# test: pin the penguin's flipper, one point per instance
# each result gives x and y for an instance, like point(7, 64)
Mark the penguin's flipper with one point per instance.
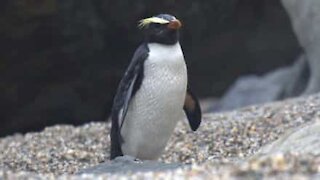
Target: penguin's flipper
point(128, 86)
point(192, 109)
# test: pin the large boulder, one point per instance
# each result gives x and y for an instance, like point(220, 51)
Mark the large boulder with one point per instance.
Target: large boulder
point(302, 140)
point(305, 16)
point(301, 79)
point(281, 83)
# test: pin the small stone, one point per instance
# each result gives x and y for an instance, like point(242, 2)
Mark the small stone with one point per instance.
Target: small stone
point(279, 162)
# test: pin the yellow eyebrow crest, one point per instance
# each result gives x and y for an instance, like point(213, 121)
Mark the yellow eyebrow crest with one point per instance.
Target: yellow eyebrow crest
point(145, 22)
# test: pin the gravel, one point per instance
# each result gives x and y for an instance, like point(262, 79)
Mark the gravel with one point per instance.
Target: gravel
point(223, 147)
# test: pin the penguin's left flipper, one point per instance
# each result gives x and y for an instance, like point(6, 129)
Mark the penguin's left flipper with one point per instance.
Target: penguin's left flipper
point(192, 109)
point(128, 86)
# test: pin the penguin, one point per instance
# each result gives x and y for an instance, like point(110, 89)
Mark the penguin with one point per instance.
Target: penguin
point(153, 94)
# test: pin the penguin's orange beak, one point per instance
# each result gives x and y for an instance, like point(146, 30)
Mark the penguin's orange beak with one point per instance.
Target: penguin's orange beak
point(174, 24)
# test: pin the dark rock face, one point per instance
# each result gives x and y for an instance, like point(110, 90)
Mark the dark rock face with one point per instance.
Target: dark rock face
point(62, 60)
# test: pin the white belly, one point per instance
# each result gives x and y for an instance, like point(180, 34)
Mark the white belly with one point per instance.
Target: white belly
point(158, 105)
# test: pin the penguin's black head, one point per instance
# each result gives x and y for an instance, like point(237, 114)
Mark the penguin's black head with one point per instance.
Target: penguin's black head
point(163, 28)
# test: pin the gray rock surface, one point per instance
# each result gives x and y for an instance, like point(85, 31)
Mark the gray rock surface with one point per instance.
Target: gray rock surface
point(279, 84)
point(305, 17)
point(125, 164)
point(224, 147)
point(302, 140)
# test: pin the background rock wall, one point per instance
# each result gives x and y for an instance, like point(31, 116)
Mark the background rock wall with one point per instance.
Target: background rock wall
point(301, 78)
point(60, 61)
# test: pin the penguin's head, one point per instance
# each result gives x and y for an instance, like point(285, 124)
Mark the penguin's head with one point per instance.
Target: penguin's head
point(163, 28)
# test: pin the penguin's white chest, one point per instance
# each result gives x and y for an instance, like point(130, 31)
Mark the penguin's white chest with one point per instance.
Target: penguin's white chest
point(158, 105)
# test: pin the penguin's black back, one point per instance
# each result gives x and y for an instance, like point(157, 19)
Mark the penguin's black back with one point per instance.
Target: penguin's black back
point(134, 77)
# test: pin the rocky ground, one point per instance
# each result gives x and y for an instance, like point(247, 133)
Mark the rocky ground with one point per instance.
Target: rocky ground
point(276, 140)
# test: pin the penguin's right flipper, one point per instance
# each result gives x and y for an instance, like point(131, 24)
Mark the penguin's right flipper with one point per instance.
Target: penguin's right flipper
point(128, 86)
point(192, 109)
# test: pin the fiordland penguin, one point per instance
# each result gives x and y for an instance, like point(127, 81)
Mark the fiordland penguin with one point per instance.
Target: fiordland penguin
point(153, 95)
